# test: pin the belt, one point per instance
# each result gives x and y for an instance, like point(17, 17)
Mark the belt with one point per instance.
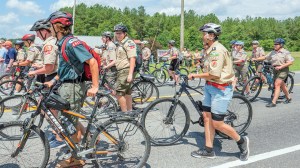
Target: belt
point(217, 85)
point(73, 81)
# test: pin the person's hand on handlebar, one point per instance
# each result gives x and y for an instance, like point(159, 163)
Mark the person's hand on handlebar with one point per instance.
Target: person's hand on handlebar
point(191, 76)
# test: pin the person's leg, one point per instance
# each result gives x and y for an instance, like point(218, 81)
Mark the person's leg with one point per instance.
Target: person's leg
point(128, 102)
point(277, 85)
point(285, 90)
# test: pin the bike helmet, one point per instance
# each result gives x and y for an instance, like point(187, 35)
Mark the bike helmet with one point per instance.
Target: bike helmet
point(279, 41)
point(120, 27)
point(255, 42)
point(61, 17)
point(232, 42)
point(108, 34)
point(241, 43)
point(19, 42)
point(40, 24)
point(211, 28)
point(30, 37)
point(171, 42)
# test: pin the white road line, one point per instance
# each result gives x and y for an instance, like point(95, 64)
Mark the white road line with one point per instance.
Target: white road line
point(259, 157)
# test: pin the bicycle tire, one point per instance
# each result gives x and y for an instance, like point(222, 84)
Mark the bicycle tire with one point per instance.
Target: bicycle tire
point(184, 71)
point(10, 136)
point(253, 86)
point(196, 82)
point(160, 77)
point(106, 105)
point(113, 128)
point(234, 116)
point(9, 90)
point(153, 130)
point(2, 78)
point(140, 92)
point(18, 103)
point(35, 134)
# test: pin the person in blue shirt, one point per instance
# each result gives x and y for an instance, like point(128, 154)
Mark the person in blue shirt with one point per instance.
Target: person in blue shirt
point(3, 52)
point(10, 57)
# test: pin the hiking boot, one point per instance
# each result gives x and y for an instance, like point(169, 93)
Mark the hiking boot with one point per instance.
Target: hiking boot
point(202, 153)
point(271, 105)
point(244, 148)
point(70, 163)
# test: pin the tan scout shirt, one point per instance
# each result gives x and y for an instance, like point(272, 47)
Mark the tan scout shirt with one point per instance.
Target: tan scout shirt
point(173, 52)
point(50, 53)
point(21, 56)
point(111, 52)
point(125, 51)
point(280, 57)
point(217, 62)
point(240, 56)
point(105, 57)
point(258, 52)
point(34, 55)
point(146, 52)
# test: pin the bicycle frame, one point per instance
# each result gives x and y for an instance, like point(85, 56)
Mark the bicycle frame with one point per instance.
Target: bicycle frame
point(61, 131)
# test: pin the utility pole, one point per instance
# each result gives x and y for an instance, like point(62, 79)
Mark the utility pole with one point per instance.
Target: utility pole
point(182, 26)
point(74, 7)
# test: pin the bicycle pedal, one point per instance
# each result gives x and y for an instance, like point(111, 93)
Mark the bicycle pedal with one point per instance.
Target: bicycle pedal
point(195, 122)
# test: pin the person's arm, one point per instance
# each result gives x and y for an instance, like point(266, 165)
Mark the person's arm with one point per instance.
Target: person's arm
point(44, 70)
point(95, 73)
point(111, 64)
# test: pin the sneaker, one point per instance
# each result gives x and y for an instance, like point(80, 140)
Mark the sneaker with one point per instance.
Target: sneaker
point(271, 105)
point(202, 153)
point(57, 144)
point(287, 101)
point(244, 148)
point(51, 137)
point(72, 162)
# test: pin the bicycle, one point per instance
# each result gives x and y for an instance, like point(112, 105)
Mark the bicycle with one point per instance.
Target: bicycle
point(196, 82)
point(255, 83)
point(172, 116)
point(108, 144)
point(160, 73)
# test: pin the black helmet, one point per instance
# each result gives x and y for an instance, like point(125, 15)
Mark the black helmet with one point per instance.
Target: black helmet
point(211, 28)
point(171, 42)
point(40, 24)
point(279, 41)
point(61, 17)
point(120, 27)
point(108, 34)
point(19, 42)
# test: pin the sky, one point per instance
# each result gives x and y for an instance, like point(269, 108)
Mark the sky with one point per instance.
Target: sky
point(17, 16)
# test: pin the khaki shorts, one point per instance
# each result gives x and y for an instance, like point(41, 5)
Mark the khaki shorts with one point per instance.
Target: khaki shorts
point(73, 93)
point(259, 67)
point(122, 86)
point(281, 74)
point(241, 71)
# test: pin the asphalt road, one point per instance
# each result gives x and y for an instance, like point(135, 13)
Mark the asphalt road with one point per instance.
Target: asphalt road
point(273, 133)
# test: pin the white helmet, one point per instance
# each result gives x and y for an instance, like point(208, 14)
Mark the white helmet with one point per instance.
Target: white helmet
point(211, 28)
point(145, 42)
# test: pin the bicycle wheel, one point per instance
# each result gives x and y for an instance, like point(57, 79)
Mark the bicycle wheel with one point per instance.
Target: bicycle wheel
point(160, 77)
point(239, 85)
point(8, 87)
point(11, 130)
point(184, 71)
point(196, 82)
point(252, 88)
point(6, 77)
point(35, 152)
point(19, 108)
point(121, 143)
point(164, 131)
point(106, 106)
point(144, 91)
point(239, 115)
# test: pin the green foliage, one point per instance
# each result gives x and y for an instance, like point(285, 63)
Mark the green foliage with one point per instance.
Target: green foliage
point(159, 28)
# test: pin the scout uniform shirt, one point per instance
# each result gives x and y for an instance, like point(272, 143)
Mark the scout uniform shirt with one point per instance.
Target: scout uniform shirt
point(125, 51)
point(77, 55)
point(217, 62)
point(146, 52)
point(240, 55)
point(280, 57)
point(258, 52)
point(21, 55)
point(50, 53)
point(111, 52)
point(34, 55)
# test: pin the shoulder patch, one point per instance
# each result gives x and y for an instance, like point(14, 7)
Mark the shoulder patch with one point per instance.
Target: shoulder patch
point(73, 40)
point(131, 45)
point(76, 43)
point(48, 49)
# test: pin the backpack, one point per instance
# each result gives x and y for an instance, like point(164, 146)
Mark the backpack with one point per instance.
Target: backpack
point(86, 75)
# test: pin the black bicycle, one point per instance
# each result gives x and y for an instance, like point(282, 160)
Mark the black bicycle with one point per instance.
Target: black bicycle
point(168, 120)
point(121, 140)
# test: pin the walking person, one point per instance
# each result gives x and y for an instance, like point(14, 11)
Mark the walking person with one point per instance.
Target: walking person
point(218, 91)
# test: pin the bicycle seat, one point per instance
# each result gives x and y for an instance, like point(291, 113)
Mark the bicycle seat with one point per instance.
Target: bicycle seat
point(147, 77)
